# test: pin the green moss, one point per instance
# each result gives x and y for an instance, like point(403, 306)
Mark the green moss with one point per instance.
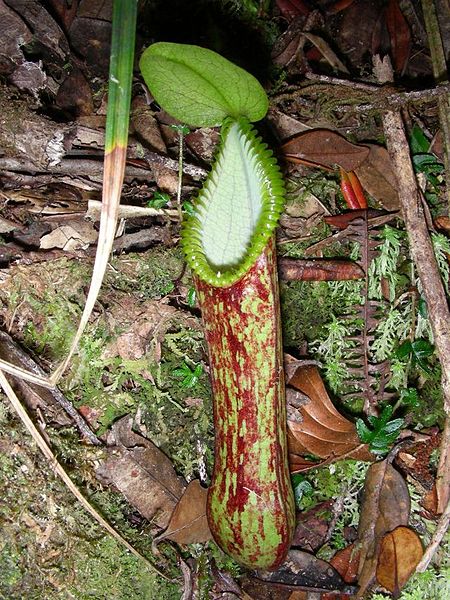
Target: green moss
point(49, 546)
point(430, 409)
point(306, 307)
point(148, 276)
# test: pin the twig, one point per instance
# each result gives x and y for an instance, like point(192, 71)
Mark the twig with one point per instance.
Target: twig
point(94, 168)
point(355, 85)
point(438, 535)
point(59, 470)
point(17, 355)
point(380, 97)
point(427, 268)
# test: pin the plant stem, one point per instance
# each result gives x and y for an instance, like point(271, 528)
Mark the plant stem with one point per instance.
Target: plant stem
point(180, 172)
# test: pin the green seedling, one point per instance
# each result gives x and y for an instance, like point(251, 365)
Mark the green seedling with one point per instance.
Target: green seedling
point(409, 397)
point(191, 297)
point(159, 200)
point(426, 162)
point(188, 207)
point(383, 431)
point(190, 376)
point(418, 351)
point(302, 488)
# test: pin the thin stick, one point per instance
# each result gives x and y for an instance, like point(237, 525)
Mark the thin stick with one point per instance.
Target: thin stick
point(424, 258)
point(59, 470)
point(438, 535)
point(180, 172)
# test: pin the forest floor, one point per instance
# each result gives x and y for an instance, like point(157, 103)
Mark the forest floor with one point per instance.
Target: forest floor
point(131, 421)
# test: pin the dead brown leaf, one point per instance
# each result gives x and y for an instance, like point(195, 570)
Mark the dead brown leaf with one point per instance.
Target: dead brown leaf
point(324, 48)
point(146, 126)
point(400, 553)
point(314, 425)
point(284, 125)
point(400, 36)
point(188, 523)
point(72, 236)
point(346, 563)
point(385, 506)
point(203, 143)
point(312, 527)
point(144, 474)
point(306, 571)
point(325, 148)
point(143, 328)
point(378, 178)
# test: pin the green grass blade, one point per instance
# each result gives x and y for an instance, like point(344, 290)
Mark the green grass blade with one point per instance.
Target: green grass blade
point(119, 95)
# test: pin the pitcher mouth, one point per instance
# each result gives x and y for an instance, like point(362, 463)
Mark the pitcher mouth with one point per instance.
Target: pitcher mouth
point(237, 210)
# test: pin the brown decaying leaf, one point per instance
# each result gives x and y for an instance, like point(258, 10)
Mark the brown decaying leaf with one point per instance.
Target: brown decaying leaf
point(75, 94)
point(325, 148)
point(203, 143)
point(314, 425)
point(260, 590)
point(144, 474)
point(399, 34)
point(442, 222)
point(338, 6)
point(188, 523)
point(400, 553)
point(284, 125)
point(385, 506)
point(378, 178)
point(326, 52)
point(306, 571)
point(292, 8)
point(312, 527)
point(146, 126)
point(346, 562)
point(72, 236)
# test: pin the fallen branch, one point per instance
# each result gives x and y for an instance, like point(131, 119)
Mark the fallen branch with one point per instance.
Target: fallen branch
point(437, 538)
point(427, 268)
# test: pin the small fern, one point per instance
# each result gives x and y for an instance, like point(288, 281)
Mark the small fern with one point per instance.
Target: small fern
point(441, 245)
point(385, 265)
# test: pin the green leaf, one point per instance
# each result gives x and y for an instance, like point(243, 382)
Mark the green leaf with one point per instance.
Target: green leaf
point(418, 141)
point(190, 377)
point(422, 308)
point(191, 297)
point(364, 433)
point(384, 432)
point(410, 397)
point(159, 200)
point(188, 207)
point(422, 348)
point(199, 87)
point(386, 414)
point(404, 349)
point(427, 163)
point(392, 427)
point(301, 489)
